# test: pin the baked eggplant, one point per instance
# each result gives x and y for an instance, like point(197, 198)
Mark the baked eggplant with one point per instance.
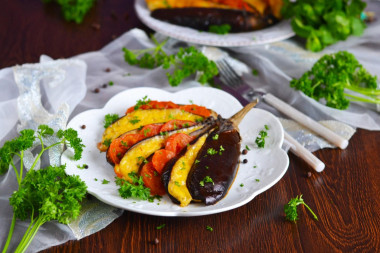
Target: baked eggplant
point(205, 170)
point(139, 118)
point(241, 15)
point(139, 152)
point(203, 18)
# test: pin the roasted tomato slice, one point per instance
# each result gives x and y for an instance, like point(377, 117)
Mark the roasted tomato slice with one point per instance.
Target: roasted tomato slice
point(196, 109)
point(160, 158)
point(177, 142)
point(176, 124)
point(152, 179)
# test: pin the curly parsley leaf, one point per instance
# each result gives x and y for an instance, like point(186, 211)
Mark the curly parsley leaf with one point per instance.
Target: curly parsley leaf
point(45, 195)
point(185, 62)
point(74, 10)
point(109, 119)
point(290, 209)
point(324, 22)
point(337, 79)
point(136, 189)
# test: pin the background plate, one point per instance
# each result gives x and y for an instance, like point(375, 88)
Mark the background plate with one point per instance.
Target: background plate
point(268, 164)
point(277, 32)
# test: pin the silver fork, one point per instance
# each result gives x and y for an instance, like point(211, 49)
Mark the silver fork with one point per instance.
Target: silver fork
point(245, 93)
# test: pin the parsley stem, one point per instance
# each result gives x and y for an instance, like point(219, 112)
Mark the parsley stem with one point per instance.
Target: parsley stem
point(361, 99)
point(10, 233)
point(16, 172)
point(315, 216)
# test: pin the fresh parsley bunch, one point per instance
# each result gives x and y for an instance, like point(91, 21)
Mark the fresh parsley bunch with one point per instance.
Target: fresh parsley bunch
point(46, 194)
point(324, 22)
point(186, 62)
point(74, 10)
point(332, 75)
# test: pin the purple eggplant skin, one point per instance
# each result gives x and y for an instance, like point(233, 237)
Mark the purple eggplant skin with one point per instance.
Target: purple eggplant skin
point(202, 18)
point(221, 167)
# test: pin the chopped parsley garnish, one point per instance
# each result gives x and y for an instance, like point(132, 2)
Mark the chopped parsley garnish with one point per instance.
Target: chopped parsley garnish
point(146, 131)
point(109, 119)
point(211, 151)
point(124, 144)
point(247, 148)
point(177, 184)
point(196, 161)
point(107, 142)
point(110, 83)
point(207, 179)
point(257, 180)
point(215, 137)
point(241, 185)
point(260, 140)
point(198, 120)
point(266, 127)
point(221, 149)
point(160, 226)
point(209, 228)
point(134, 120)
point(220, 29)
point(255, 72)
point(82, 167)
point(105, 181)
point(95, 179)
point(140, 102)
point(141, 159)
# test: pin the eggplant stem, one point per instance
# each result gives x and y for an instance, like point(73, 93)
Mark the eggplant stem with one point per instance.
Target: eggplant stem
point(237, 117)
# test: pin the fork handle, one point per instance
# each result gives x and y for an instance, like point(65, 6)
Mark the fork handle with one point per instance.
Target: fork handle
point(305, 120)
point(304, 154)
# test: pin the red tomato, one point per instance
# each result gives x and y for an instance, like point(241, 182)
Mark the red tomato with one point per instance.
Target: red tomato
point(152, 179)
point(120, 145)
point(177, 142)
point(155, 105)
point(176, 124)
point(150, 130)
point(160, 158)
point(196, 109)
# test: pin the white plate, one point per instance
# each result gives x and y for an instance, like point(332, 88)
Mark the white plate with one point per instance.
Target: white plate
point(277, 32)
point(267, 165)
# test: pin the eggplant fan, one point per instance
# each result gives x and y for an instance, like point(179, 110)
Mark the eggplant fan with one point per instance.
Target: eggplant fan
point(193, 157)
point(241, 15)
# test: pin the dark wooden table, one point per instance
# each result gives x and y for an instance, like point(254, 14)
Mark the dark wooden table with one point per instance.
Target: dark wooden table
point(345, 196)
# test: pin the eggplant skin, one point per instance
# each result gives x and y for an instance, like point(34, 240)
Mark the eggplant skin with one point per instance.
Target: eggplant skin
point(221, 168)
point(202, 18)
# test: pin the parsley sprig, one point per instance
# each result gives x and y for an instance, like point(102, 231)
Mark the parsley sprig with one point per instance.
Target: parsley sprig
point(74, 10)
point(333, 75)
point(290, 209)
point(45, 194)
point(136, 189)
point(324, 22)
point(184, 63)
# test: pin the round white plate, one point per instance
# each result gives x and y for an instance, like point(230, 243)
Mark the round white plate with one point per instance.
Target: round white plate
point(265, 166)
point(277, 32)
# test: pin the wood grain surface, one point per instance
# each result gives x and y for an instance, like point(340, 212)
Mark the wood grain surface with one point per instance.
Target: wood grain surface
point(345, 196)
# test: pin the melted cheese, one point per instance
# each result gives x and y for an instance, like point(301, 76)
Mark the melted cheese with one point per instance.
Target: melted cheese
point(139, 152)
point(177, 184)
point(144, 117)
